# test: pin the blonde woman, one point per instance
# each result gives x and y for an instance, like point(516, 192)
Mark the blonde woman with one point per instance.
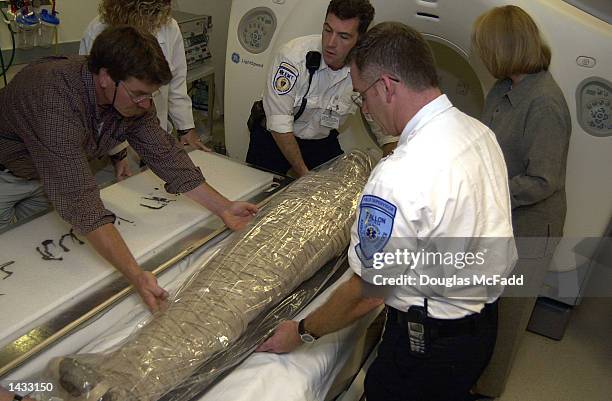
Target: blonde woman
point(529, 116)
point(152, 16)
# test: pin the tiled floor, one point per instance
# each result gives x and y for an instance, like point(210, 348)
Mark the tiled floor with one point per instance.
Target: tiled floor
point(577, 368)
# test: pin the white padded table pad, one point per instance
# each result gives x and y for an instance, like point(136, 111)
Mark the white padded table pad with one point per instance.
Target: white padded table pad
point(38, 287)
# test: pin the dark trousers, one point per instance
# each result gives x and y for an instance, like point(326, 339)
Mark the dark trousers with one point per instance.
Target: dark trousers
point(265, 153)
point(449, 371)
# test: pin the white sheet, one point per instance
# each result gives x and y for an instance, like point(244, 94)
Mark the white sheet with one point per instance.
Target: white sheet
point(306, 374)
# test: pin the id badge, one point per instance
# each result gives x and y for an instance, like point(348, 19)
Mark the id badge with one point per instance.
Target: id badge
point(330, 121)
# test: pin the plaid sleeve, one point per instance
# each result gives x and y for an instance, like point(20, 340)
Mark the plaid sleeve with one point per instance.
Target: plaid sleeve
point(163, 154)
point(54, 143)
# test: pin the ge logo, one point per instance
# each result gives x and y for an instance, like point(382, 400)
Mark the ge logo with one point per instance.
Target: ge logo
point(236, 58)
point(584, 61)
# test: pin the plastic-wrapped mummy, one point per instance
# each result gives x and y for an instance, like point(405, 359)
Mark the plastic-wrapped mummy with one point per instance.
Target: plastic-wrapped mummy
point(291, 238)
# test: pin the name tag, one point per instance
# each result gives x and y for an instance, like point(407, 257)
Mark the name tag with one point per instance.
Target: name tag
point(330, 121)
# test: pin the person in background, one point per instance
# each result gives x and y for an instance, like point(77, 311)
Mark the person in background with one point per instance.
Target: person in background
point(78, 108)
point(530, 118)
point(431, 188)
point(172, 102)
point(323, 98)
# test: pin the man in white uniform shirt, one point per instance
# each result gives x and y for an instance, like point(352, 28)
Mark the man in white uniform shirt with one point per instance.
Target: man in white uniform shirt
point(312, 139)
point(446, 179)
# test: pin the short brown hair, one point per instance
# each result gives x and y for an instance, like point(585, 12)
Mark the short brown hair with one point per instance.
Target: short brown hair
point(399, 50)
point(509, 43)
point(347, 9)
point(148, 15)
point(125, 51)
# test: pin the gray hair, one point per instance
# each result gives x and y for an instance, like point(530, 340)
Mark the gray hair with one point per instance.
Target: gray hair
point(399, 50)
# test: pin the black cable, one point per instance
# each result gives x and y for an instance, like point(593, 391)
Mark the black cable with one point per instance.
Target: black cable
point(10, 63)
point(13, 44)
point(3, 69)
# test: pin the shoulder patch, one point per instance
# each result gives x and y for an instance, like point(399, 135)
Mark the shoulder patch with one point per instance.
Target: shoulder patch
point(285, 78)
point(374, 227)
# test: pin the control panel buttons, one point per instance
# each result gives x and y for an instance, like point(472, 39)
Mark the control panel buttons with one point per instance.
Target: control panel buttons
point(594, 107)
point(256, 29)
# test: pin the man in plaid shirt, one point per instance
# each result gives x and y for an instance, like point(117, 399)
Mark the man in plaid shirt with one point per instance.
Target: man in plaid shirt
point(61, 111)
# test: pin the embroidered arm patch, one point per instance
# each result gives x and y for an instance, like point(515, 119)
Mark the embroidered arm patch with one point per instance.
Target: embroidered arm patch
point(374, 227)
point(285, 78)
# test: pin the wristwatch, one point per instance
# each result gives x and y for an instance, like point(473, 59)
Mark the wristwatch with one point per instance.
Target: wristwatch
point(117, 157)
point(306, 337)
point(181, 132)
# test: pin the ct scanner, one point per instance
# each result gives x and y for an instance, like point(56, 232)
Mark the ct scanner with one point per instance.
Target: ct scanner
point(581, 64)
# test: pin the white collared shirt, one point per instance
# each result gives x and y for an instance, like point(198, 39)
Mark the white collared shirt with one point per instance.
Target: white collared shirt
point(330, 91)
point(446, 178)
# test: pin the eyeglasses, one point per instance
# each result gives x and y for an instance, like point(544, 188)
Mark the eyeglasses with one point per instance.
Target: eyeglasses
point(359, 98)
point(137, 98)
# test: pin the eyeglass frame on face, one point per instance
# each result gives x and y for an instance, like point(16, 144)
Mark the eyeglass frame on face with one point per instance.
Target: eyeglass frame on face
point(359, 97)
point(135, 99)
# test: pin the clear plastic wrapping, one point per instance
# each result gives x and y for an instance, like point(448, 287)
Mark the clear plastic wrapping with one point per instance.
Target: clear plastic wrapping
point(234, 299)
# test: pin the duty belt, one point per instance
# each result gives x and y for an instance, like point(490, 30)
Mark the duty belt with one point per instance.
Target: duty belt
point(450, 327)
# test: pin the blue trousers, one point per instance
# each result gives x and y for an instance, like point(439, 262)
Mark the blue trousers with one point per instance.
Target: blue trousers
point(451, 369)
point(264, 152)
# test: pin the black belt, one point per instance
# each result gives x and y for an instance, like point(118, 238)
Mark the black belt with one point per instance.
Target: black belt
point(334, 133)
point(450, 327)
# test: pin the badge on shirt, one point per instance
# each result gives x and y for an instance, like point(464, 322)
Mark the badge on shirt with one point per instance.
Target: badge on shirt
point(285, 78)
point(374, 227)
point(330, 121)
